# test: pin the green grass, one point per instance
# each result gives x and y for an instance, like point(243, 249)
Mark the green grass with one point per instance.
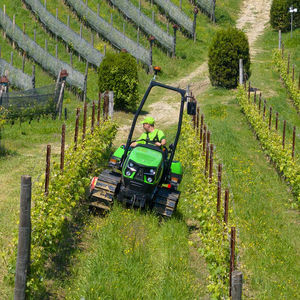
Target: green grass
point(133, 255)
point(268, 228)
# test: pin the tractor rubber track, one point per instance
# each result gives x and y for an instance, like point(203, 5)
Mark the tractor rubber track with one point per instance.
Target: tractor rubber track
point(165, 202)
point(105, 190)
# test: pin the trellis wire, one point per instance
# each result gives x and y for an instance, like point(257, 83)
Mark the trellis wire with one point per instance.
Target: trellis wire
point(61, 30)
point(32, 49)
point(116, 38)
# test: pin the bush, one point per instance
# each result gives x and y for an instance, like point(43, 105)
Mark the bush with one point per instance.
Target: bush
point(118, 72)
point(228, 46)
point(280, 17)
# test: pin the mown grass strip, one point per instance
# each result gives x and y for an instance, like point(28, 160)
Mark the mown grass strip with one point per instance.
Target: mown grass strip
point(272, 144)
point(134, 255)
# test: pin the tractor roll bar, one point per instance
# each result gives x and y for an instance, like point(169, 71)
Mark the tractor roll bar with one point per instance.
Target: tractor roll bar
point(183, 99)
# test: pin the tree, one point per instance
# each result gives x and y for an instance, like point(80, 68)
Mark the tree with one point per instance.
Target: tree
point(280, 18)
point(118, 72)
point(228, 46)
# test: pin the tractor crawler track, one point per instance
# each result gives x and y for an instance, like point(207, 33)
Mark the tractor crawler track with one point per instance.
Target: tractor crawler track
point(105, 190)
point(165, 202)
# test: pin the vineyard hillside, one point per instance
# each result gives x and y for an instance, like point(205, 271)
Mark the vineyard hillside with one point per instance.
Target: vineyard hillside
point(239, 204)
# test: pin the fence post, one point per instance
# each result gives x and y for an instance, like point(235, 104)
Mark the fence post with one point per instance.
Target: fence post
point(264, 111)
point(204, 138)
point(47, 173)
point(33, 76)
point(197, 119)
point(62, 78)
point(236, 285)
point(249, 88)
point(276, 122)
point(226, 206)
point(206, 159)
point(219, 187)
point(23, 62)
point(270, 118)
point(211, 162)
point(294, 141)
point(105, 110)
point(279, 39)
point(288, 64)
point(175, 27)
point(23, 256)
point(110, 104)
point(84, 120)
point(76, 128)
point(195, 10)
point(151, 40)
point(259, 103)
point(93, 118)
point(99, 109)
point(241, 73)
point(283, 134)
point(232, 252)
point(201, 127)
point(62, 147)
point(254, 98)
point(208, 137)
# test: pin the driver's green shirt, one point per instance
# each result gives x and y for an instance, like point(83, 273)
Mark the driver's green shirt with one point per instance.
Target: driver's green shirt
point(155, 136)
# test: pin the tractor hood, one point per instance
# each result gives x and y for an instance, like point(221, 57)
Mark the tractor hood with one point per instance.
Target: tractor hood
point(145, 156)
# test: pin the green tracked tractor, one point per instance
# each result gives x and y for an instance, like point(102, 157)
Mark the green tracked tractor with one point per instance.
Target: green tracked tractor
point(145, 176)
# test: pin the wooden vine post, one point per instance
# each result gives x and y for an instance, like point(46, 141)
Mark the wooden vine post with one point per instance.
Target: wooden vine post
point(76, 128)
point(47, 173)
point(84, 121)
point(211, 162)
point(62, 149)
point(219, 187)
point(99, 110)
point(24, 240)
point(232, 257)
point(93, 118)
point(201, 127)
point(226, 202)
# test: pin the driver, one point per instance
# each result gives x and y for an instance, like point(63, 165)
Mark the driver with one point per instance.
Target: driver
point(151, 135)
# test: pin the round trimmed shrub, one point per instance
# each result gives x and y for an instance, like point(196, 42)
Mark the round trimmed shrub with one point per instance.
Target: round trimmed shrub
point(280, 18)
point(227, 47)
point(118, 73)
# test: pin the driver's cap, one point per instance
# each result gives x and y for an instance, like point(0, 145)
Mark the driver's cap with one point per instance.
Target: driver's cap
point(148, 120)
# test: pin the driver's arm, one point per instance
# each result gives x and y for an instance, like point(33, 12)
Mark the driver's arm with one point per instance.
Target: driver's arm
point(161, 143)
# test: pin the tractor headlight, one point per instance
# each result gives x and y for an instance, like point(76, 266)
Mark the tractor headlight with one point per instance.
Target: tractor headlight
point(127, 173)
point(151, 171)
point(132, 167)
point(150, 179)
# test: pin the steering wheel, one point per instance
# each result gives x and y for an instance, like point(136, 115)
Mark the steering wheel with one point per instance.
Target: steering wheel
point(147, 142)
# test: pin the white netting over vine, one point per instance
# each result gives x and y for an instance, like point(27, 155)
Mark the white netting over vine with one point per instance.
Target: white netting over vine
point(15, 76)
point(80, 45)
point(117, 39)
point(208, 6)
point(133, 13)
point(176, 14)
point(42, 57)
